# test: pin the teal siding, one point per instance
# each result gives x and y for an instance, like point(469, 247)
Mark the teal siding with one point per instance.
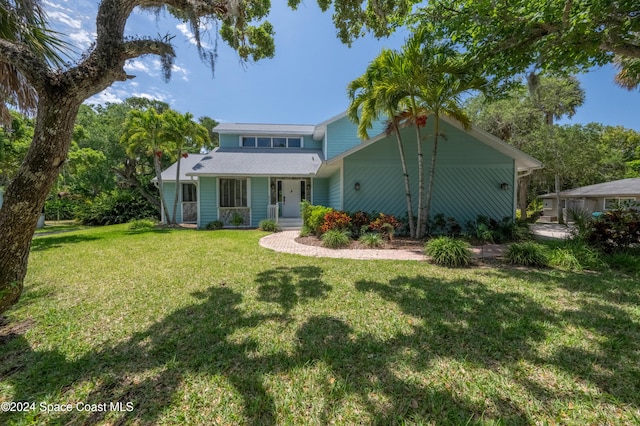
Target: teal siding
point(208, 200)
point(229, 140)
point(259, 199)
point(342, 135)
point(309, 143)
point(320, 192)
point(334, 191)
point(169, 196)
point(467, 181)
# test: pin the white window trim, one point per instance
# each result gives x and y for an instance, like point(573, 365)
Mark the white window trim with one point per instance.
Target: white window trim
point(616, 199)
point(271, 137)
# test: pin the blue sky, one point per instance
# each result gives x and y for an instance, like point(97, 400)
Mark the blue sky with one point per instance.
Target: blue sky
point(304, 84)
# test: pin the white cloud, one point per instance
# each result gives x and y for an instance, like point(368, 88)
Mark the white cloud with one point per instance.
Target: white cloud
point(136, 65)
point(109, 95)
point(184, 29)
point(65, 19)
point(82, 38)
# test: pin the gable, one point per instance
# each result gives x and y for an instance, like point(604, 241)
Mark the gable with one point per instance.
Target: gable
point(342, 135)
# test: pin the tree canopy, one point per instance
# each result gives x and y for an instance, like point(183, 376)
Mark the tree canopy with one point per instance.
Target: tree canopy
point(510, 37)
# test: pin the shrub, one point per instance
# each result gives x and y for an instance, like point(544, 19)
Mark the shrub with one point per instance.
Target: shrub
point(445, 226)
point(616, 230)
point(385, 224)
point(489, 230)
point(528, 253)
point(335, 220)
point(237, 219)
point(305, 231)
point(336, 238)
point(269, 225)
point(581, 219)
point(117, 206)
point(563, 258)
point(214, 225)
point(371, 239)
point(447, 251)
point(316, 218)
point(142, 224)
point(360, 220)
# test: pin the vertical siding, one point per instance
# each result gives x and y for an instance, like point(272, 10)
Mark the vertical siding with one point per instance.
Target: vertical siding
point(229, 140)
point(467, 181)
point(342, 135)
point(259, 199)
point(334, 191)
point(208, 199)
point(169, 197)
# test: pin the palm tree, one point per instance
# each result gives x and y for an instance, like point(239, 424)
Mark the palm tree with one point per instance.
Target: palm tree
point(368, 104)
point(450, 77)
point(628, 76)
point(142, 136)
point(24, 21)
point(555, 97)
point(183, 133)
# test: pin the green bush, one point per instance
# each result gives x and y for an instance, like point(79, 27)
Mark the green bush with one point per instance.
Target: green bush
point(563, 258)
point(616, 230)
point(214, 225)
point(118, 206)
point(316, 218)
point(360, 220)
point(528, 253)
point(61, 208)
point(305, 231)
point(269, 225)
point(386, 225)
point(142, 224)
point(447, 251)
point(336, 238)
point(371, 239)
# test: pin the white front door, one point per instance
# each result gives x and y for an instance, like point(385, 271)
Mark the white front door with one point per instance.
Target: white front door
point(291, 198)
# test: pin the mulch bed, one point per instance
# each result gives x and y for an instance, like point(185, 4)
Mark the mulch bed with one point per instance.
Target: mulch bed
point(398, 243)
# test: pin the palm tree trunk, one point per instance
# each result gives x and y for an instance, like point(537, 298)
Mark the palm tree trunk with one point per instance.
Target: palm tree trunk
point(156, 165)
point(432, 171)
point(407, 185)
point(177, 193)
point(27, 192)
point(422, 220)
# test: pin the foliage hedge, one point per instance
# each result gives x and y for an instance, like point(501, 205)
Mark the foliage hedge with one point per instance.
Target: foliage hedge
point(118, 206)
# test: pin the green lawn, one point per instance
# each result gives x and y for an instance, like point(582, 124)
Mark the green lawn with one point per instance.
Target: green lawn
point(196, 327)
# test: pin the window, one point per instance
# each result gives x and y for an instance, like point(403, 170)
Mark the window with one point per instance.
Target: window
point(264, 142)
point(189, 193)
point(233, 193)
point(271, 142)
point(612, 203)
point(249, 141)
point(294, 142)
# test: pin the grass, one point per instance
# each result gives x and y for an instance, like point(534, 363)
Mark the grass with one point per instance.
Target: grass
point(60, 226)
point(197, 327)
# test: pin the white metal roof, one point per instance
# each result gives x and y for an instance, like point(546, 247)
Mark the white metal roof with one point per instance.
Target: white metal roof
point(186, 164)
point(265, 129)
point(257, 161)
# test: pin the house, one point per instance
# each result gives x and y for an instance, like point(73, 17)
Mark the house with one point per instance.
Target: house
point(262, 171)
point(593, 198)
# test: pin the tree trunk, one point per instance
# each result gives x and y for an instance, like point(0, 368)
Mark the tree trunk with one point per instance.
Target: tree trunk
point(560, 213)
point(27, 192)
point(407, 184)
point(422, 219)
point(432, 171)
point(177, 194)
point(523, 191)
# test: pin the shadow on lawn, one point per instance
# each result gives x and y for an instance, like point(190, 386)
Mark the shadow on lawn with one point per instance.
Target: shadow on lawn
point(47, 242)
point(461, 319)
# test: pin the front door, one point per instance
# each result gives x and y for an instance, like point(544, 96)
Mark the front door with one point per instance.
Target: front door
point(291, 198)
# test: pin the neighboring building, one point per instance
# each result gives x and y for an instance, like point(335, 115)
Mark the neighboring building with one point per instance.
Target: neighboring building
point(263, 171)
point(593, 198)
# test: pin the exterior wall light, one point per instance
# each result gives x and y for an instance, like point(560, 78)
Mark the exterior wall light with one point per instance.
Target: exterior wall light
point(504, 186)
point(357, 186)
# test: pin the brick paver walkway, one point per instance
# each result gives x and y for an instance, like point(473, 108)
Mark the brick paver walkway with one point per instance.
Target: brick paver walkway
point(284, 242)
